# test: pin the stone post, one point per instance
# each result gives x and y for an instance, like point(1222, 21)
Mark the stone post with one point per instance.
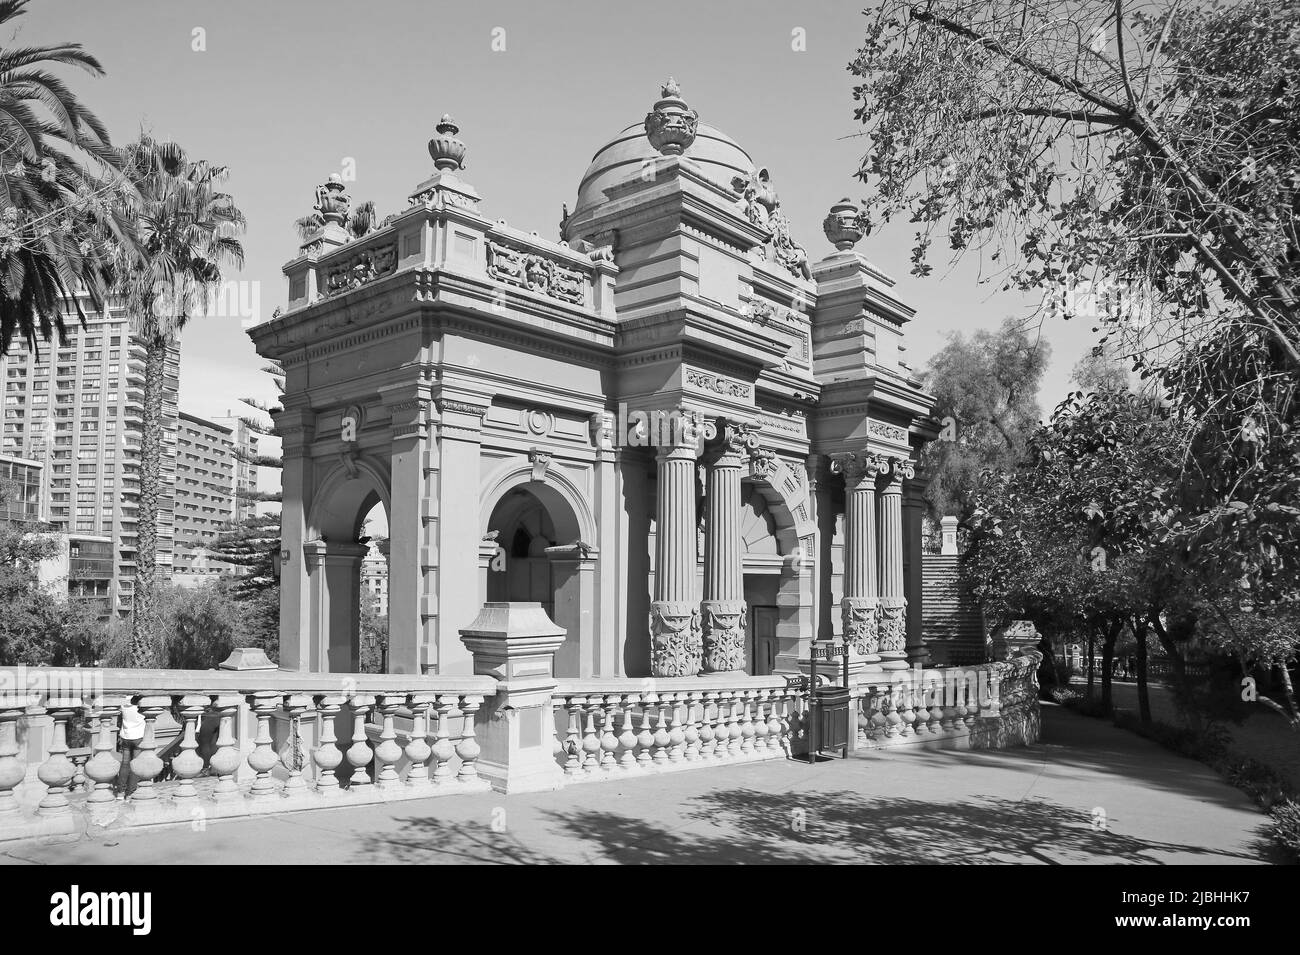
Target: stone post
point(516, 643)
point(860, 602)
point(723, 607)
point(893, 602)
point(948, 527)
point(675, 642)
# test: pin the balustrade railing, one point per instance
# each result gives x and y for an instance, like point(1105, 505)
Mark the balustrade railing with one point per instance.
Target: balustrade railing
point(244, 742)
point(609, 727)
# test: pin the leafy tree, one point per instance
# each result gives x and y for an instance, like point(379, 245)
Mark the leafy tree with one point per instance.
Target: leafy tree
point(60, 184)
point(1153, 152)
point(186, 230)
point(1099, 370)
point(985, 389)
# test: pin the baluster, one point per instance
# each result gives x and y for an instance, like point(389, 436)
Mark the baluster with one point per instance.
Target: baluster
point(994, 707)
point(935, 725)
point(746, 725)
point(722, 731)
point(590, 739)
point(328, 755)
point(225, 761)
point(786, 700)
point(691, 733)
point(467, 748)
point(759, 723)
point(889, 709)
point(646, 737)
point(676, 735)
point(359, 754)
point(949, 705)
point(292, 756)
point(628, 737)
point(734, 732)
point(188, 764)
point(443, 750)
point(972, 701)
point(387, 753)
point(920, 712)
point(573, 738)
point(774, 721)
point(101, 768)
point(862, 715)
point(146, 765)
point(263, 758)
point(662, 736)
point(708, 717)
point(418, 749)
point(608, 741)
point(58, 771)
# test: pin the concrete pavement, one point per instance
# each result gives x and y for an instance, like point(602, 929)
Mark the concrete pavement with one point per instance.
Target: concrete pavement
point(1088, 793)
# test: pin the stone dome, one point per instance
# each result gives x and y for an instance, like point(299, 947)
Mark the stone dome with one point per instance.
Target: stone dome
point(718, 155)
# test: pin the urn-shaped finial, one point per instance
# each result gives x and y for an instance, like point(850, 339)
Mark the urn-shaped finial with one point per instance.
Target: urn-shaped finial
point(332, 200)
point(447, 151)
point(843, 226)
point(671, 125)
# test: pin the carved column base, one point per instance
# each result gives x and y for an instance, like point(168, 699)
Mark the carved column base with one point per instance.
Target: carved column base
point(723, 631)
point(893, 633)
point(861, 618)
point(675, 644)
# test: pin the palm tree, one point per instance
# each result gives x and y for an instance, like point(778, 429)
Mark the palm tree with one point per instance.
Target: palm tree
point(362, 220)
point(185, 229)
point(60, 185)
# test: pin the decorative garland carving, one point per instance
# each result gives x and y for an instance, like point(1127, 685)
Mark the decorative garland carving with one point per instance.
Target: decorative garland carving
point(888, 431)
point(360, 268)
point(718, 384)
point(535, 272)
point(676, 642)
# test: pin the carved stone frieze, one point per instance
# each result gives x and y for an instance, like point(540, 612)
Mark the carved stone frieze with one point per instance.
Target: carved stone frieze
point(537, 273)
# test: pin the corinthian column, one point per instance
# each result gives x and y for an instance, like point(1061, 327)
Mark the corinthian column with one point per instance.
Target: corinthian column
point(723, 607)
point(675, 648)
point(893, 602)
point(860, 604)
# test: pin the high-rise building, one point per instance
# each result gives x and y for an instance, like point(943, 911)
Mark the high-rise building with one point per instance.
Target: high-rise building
point(206, 492)
point(77, 408)
point(25, 499)
point(245, 440)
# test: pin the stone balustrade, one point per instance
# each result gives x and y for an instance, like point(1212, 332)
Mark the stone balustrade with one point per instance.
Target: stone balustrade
point(275, 741)
point(606, 728)
point(982, 707)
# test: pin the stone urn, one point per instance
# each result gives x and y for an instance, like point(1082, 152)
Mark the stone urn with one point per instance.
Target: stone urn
point(843, 225)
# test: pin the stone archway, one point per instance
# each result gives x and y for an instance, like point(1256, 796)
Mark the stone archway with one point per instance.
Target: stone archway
point(536, 549)
point(333, 553)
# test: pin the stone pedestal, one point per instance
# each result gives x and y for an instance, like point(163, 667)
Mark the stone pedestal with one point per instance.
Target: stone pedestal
point(515, 643)
point(723, 607)
point(676, 647)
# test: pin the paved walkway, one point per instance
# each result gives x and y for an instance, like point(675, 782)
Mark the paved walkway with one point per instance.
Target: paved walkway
point(1032, 805)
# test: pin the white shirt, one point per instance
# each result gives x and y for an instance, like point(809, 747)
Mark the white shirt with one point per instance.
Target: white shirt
point(132, 722)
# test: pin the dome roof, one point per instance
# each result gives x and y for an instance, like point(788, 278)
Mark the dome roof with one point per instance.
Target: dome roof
point(719, 156)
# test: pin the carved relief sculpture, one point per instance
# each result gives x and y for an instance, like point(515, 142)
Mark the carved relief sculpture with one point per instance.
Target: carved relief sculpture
point(671, 125)
point(536, 273)
point(675, 639)
point(360, 268)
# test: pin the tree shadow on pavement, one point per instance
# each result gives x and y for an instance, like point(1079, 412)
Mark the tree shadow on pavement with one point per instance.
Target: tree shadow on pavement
point(746, 826)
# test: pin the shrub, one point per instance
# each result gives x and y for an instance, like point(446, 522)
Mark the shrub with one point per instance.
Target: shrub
point(1286, 826)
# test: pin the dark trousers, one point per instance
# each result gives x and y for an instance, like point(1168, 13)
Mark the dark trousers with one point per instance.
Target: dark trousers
point(127, 780)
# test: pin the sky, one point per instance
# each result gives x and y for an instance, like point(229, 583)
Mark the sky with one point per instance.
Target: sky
point(285, 92)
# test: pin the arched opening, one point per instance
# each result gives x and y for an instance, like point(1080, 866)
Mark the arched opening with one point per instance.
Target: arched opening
point(539, 556)
point(347, 564)
point(763, 566)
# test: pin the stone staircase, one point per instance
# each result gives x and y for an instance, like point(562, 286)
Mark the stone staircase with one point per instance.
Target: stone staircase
point(951, 620)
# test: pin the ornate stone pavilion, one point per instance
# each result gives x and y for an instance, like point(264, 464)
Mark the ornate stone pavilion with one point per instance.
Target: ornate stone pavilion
point(691, 443)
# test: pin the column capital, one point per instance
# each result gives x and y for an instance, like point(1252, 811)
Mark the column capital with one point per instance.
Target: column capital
point(726, 442)
point(858, 466)
point(898, 470)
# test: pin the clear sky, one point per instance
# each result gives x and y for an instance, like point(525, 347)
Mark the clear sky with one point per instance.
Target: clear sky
point(285, 92)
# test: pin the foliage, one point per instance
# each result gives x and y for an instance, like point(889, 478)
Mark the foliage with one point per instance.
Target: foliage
point(60, 183)
point(987, 385)
point(199, 627)
point(253, 545)
point(1154, 152)
point(1286, 826)
point(362, 220)
point(374, 636)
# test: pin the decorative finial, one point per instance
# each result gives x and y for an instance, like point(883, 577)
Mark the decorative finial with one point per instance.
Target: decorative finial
point(671, 125)
point(447, 151)
point(332, 200)
point(843, 225)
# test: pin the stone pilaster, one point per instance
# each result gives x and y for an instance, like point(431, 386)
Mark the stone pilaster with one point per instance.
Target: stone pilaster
point(860, 602)
point(675, 642)
point(893, 601)
point(723, 608)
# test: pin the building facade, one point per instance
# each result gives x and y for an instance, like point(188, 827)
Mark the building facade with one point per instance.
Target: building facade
point(205, 496)
point(76, 408)
point(691, 443)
